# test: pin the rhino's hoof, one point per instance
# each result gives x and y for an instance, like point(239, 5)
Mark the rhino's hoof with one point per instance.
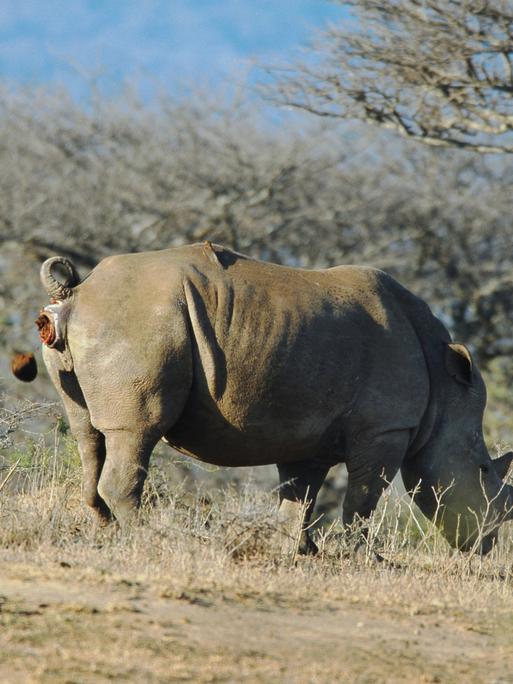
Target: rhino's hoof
point(307, 547)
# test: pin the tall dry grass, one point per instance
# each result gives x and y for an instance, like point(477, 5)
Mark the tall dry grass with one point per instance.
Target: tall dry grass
point(230, 543)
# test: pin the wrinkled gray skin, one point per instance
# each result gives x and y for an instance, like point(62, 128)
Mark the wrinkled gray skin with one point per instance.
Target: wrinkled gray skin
point(239, 362)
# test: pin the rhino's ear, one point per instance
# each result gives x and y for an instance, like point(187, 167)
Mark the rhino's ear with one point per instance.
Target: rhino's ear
point(502, 464)
point(458, 363)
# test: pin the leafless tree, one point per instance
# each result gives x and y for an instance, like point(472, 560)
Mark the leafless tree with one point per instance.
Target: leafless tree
point(438, 71)
point(121, 177)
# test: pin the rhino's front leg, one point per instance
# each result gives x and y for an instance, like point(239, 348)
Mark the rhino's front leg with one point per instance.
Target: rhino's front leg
point(371, 468)
point(124, 471)
point(299, 486)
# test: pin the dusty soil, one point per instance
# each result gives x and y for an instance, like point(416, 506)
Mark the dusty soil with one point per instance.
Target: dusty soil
point(60, 623)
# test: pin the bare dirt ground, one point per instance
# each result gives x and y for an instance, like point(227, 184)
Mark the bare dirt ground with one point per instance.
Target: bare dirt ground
point(73, 624)
point(208, 589)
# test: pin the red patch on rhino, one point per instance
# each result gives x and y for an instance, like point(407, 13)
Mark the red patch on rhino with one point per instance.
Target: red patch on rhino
point(46, 328)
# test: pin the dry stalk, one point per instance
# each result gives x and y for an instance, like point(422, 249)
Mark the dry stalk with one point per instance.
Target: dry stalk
point(10, 473)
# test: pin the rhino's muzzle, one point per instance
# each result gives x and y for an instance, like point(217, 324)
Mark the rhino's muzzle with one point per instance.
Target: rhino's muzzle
point(482, 544)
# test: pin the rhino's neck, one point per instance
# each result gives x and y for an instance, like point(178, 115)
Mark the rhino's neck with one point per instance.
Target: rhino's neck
point(432, 337)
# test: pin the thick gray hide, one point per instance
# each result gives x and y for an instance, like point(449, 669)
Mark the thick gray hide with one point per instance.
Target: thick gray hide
point(239, 362)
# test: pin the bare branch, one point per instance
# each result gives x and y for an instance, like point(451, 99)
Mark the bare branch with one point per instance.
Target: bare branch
point(438, 72)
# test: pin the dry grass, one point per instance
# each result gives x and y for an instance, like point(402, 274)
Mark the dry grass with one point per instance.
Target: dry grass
point(225, 550)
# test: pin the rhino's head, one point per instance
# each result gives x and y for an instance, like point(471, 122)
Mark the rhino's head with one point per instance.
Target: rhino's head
point(471, 510)
point(457, 484)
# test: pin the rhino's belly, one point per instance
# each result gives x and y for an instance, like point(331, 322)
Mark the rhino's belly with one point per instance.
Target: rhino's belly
point(218, 442)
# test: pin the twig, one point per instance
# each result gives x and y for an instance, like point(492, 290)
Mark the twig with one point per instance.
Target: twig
point(9, 474)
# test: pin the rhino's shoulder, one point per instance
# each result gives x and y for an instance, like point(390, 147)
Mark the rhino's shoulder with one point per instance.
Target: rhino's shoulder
point(203, 256)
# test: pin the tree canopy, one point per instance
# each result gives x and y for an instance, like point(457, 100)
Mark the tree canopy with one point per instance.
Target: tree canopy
point(438, 71)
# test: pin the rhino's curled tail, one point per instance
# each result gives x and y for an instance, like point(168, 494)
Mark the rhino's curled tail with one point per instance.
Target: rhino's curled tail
point(58, 291)
point(52, 320)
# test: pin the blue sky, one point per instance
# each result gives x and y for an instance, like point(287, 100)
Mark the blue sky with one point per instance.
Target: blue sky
point(170, 43)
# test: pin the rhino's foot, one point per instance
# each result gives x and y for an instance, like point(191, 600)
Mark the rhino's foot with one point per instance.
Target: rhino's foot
point(307, 546)
point(361, 554)
point(98, 509)
point(297, 541)
point(103, 515)
point(101, 522)
point(357, 550)
point(374, 558)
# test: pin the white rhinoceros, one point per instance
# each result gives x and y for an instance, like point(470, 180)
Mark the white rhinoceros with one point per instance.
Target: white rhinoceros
point(238, 362)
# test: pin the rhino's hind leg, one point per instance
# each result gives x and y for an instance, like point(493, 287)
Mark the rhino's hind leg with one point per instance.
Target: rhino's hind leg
point(90, 442)
point(371, 468)
point(91, 446)
point(299, 486)
point(124, 472)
